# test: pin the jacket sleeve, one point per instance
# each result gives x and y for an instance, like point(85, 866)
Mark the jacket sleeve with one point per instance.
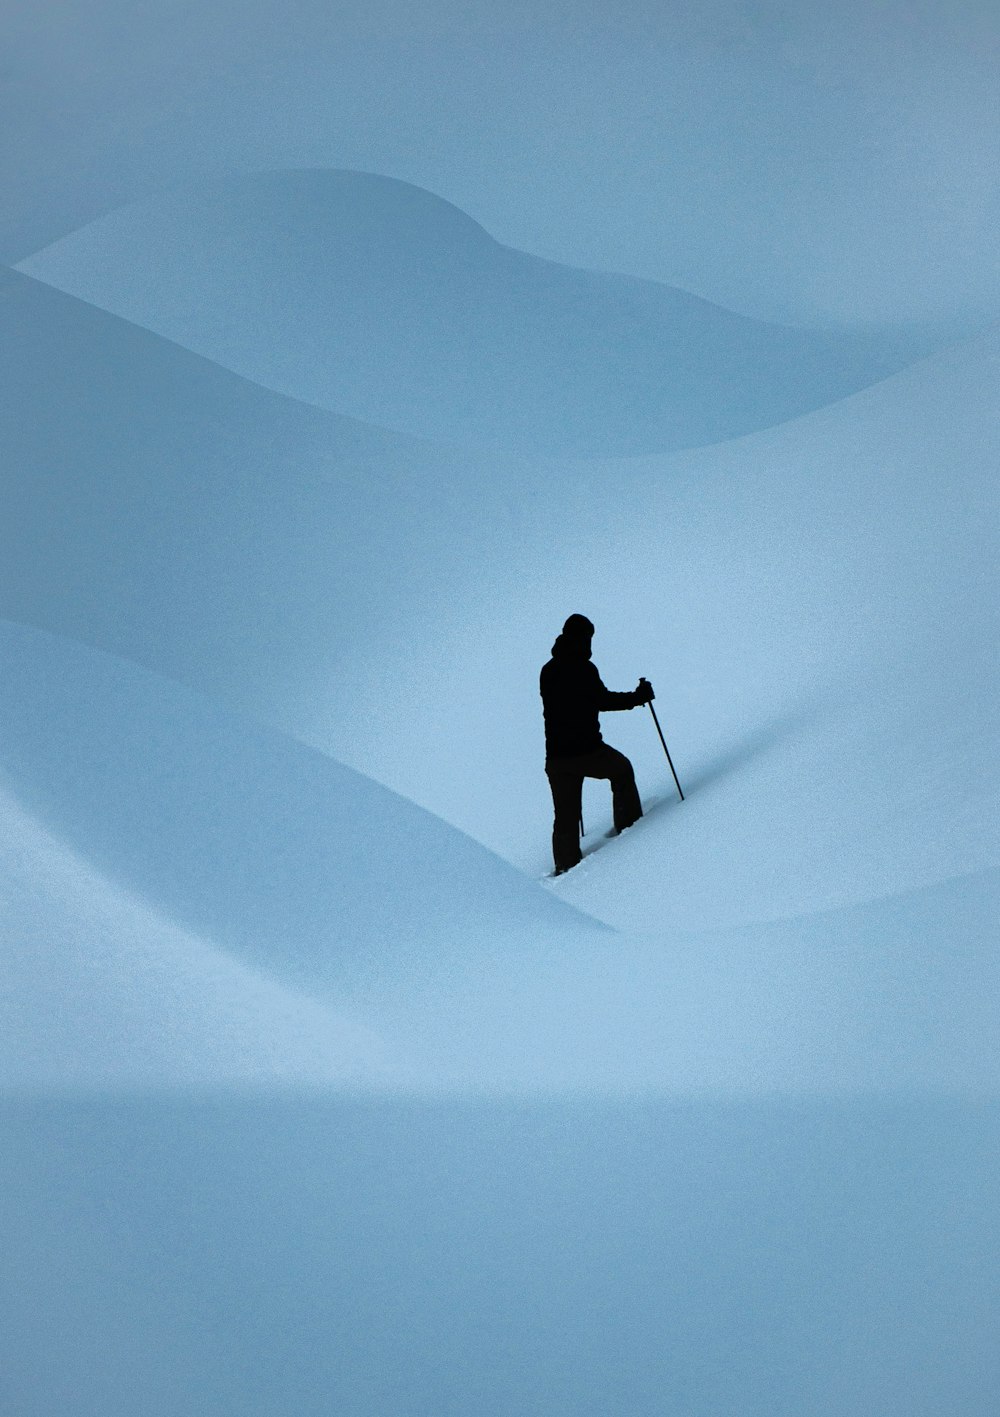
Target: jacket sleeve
point(608, 700)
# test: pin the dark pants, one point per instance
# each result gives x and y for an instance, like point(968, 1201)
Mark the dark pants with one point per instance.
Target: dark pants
point(566, 776)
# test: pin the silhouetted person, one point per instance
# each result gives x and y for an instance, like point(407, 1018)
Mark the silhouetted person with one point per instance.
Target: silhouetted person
point(572, 697)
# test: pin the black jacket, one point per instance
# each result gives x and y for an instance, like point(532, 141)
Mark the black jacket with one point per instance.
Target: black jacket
point(572, 697)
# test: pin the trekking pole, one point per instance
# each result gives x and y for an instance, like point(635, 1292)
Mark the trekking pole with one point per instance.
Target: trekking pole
point(663, 740)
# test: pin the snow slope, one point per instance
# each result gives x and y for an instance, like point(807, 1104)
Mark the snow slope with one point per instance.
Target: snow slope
point(674, 1161)
point(816, 606)
point(163, 857)
point(164, 509)
point(262, 844)
point(736, 1155)
point(374, 298)
point(103, 994)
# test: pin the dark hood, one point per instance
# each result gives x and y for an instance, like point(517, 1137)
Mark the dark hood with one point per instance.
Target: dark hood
point(571, 647)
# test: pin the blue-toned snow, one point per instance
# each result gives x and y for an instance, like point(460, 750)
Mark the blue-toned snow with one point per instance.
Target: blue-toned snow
point(316, 1098)
point(284, 277)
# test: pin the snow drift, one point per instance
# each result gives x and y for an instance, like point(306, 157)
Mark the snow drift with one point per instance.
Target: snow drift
point(737, 1156)
point(816, 607)
point(102, 994)
point(161, 508)
point(814, 604)
point(182, 878)
point(251, 840)
point(375, 298)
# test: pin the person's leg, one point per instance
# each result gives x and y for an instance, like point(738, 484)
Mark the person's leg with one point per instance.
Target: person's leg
point(609, 764)
point(567, 799)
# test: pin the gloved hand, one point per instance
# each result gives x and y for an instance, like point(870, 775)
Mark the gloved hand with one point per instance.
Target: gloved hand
point(644, 693)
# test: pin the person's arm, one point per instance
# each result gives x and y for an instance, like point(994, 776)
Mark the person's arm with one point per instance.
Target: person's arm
point(608, 700)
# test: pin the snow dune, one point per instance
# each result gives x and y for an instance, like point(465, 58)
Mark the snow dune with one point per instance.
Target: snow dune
point(193, 900)
point(375, 298)
point(205, 901)
point(735, 1155)
point(311, 1102)
point(103, 994)
point(816, 606)
point(629, 1166)
point(264, 846)
point(161, 508)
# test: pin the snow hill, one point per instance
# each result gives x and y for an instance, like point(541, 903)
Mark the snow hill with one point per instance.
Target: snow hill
point(816, 607)
point(347, 586)
point(205, 901)
point(195, 899)
point(311, 1102)
point(814, 604)
point(160, 507)
point(102, 993)
point(377, 299)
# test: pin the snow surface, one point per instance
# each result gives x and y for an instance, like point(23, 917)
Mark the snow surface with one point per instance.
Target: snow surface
point(208, 849)
point(284, 276)
point(315, 1096)
point(824, 663)
point(809, 162)
point(103, 994)
point(816, 607)
point(261, 1256)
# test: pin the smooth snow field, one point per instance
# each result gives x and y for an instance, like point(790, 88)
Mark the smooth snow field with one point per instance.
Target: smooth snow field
point(478, 344)
point(319, 1096)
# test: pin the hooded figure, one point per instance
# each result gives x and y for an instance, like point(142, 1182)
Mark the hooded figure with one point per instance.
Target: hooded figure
point(573, 697)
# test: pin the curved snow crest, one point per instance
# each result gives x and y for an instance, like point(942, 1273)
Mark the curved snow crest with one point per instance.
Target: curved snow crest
point(375, 298)
point(816, 607)
point(165, 509)
point(250, 839)
point(429, 965)
point(102, 994)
